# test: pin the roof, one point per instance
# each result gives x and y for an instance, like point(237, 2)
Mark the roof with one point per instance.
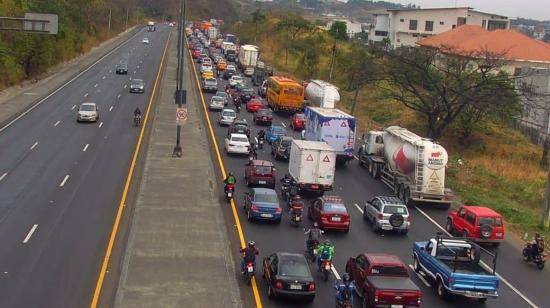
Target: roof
point(267, 191)
point(259, 162)
point(482, 210)
point(390, 200)
point(312, 145)
point(282, 79)
point(382, 258)
point(331, 112)
point(431, 8)
point(468, 40)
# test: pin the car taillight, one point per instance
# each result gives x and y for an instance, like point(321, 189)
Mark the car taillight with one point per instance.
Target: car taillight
point(278, 210)
point(279, 284)
point(311, 286)
point(499, 234)
point(231, 144)
point(324, 217)
point(376, 297)
point(254, 208)
point(419, 300)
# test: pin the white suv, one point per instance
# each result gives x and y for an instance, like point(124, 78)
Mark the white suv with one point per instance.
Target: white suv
point(87, 112)
point(387, 213)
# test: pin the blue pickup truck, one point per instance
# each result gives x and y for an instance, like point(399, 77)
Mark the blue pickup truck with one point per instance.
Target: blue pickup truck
point(453, 264)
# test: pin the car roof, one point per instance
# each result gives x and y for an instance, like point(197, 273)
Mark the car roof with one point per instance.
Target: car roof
point(239, 135)
point(332, 199)
point(137, 80)
point(285, 256)
point(382, 258)
point(240, 121)
point(259, 162)
point(277, 127)
point(286, 138)
point(390, 200)
point(264, 191)
point(227, 109)
point(482, 211)
point(217, 97)
point(88, 103)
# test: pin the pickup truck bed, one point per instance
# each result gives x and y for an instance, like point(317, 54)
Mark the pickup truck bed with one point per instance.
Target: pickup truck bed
point(392, 283)
point(466, 267)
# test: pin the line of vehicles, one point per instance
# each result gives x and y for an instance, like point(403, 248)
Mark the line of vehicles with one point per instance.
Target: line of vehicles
point(414, 167)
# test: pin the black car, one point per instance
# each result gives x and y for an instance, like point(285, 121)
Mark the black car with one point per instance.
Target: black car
point(246, 94)
point(288, 275)
point(239, 127)
point(229, 72)
point(121, 69)
point(280, 148)
point(230, 57)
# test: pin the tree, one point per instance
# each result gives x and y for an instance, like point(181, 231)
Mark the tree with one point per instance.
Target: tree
point(339, 31)
point(258, 17)
point(308, 51)
point(443, 88)
point(292, 26)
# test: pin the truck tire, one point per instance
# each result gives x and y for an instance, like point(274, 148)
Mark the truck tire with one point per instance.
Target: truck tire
point(407, 197)
point(376, 171)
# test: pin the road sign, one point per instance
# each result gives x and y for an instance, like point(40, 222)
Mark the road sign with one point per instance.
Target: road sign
point(37, 22)
point(181, 115)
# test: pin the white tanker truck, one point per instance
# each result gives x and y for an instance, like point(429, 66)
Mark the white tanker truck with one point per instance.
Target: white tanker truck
point(321, 93)
point(414, 167)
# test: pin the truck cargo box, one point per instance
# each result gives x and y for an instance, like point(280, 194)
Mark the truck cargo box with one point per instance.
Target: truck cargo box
point(312, 164)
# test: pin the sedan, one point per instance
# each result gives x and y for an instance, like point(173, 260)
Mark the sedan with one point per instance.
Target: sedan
point(240, 127)
point(288, 275)
point(224, 95)
point(227, 117)
point(145, 40)
point(330, 213)
point(280, 149)
point(236, 144)
point(196, 53)
point(254, 105)
point(87, 112)
point(234, 80)
point(298, 121)
point(263, 116)
point(262, 203)
point(137, 86)
point(216, 103)
point(274, 132)
point(230, 70)
point(205, 67)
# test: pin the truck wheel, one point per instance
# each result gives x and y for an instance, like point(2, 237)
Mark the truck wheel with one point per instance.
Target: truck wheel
point(371, 169)
point(416, 265)
point(365, 302)
point(396, 189)
point(441, 291)
point(482, 300)
point(401, 193)
point(376, 172)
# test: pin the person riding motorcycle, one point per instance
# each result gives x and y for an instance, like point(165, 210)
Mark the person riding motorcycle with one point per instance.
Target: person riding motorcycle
point(286, 184)
point(137, 111)
point(296, 205)
point(344, 290)
point(229, 180)
point(537, 246)
point(252, 151)
point(249, 255)
point(326, 253)
point(313, 236)
point(137, 116)
point(261, 135)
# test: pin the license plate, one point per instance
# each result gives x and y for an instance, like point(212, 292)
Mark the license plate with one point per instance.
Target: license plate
point(396, 306)
point(262, 182)
point(336, 219)
point(327, 267)
point(314, 186)
point(250, 269)
point(266, 215)
point(314, 251)
point(264, 118)
point(387, 227)
point(295, 287)
point(230, 194)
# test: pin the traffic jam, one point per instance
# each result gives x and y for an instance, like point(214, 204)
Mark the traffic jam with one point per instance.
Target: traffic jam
point(331, 217)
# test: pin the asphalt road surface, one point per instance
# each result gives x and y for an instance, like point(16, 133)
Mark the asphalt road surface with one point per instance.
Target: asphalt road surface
point(61, 181)
point(353, 183)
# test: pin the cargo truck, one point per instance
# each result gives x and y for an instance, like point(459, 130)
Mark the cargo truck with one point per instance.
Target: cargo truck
point(213, 34)
point(414, 167)
point(228, 47)
point(312, 165)
point(151, 26)
point(248, 58)
point(321, 93)
point(333, 127)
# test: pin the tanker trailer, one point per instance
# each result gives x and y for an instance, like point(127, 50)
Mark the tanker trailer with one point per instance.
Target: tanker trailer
point(414, 167)
point(321, 93)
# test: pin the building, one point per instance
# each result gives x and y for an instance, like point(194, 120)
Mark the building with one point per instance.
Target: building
point(353, 28)
point(404, 27)
point(525, 58)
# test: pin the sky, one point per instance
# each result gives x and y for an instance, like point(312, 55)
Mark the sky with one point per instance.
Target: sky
point(536, 9)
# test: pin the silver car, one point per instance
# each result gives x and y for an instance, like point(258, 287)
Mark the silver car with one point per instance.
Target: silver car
point(216, 103)
point(227, 116)
point(87, 112)
point(224, 95)
point(137, 86)
point(387, 214)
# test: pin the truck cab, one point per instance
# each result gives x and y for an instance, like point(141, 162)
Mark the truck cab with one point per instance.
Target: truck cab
point(371, 151)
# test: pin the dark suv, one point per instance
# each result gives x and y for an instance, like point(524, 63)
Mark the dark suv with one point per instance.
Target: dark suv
point(260, 173)
point(280, 148)
point(239, 127)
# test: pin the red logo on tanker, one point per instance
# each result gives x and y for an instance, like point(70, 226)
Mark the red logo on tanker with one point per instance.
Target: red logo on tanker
point(402, 163)
point(436, 154)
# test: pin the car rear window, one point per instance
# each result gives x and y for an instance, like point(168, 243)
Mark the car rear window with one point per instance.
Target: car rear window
point(489, 221)
point(392, 209)
point(268, 198)
point(241, 127)
point(389, 271)
point(263, 169)
point(239, 139)
point(300, 116)
point(335, 207)
point(278, 129)
point(229, 113)
point(294, 268)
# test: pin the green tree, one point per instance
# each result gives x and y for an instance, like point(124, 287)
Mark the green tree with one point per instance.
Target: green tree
point(258, 17)
point(292, 26)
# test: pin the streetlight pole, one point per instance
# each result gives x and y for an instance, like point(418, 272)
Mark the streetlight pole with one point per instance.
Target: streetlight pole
point(180, 93)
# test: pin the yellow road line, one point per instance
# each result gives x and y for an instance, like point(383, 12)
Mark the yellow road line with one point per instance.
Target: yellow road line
point(116, 224)
point(222, 168)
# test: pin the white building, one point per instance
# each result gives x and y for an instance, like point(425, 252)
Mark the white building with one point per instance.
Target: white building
point(352, 27)
point(403, 27)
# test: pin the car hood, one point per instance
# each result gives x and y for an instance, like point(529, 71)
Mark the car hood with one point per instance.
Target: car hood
point(88, 113)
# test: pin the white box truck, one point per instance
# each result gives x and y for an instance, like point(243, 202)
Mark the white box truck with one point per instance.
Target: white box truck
point(213, 34)
point(414, 167)
point(151, 26)
point(248, 58)
point(312, 165)
point(334, 127)
point(321, 93)
point(228, 47)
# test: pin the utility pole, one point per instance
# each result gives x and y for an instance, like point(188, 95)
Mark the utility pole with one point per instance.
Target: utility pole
point(110, 11)
point(180, 94)
point(546, 206)
point(332, 60)
point(127, 15)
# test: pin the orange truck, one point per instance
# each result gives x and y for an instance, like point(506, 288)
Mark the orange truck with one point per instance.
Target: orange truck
point(285, 94)
point(205, 26)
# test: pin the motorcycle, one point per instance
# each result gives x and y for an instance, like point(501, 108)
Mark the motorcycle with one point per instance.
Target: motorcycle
point(296, 211)
point(326, 267)
point(344, 297)
point(229, 189)
point(137, 120)
point(285, 188)
point(539, 259)
point(261, 143)
point(248, 272)
point(311, 251)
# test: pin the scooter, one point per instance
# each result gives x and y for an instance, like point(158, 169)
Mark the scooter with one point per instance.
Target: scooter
point(311, 251)
point(249, 271)
point(343, 297)
point(137, 120)
point(539, 259)
point(296, 212)
point(229, 192)
point(326, 266)
point(261, 143)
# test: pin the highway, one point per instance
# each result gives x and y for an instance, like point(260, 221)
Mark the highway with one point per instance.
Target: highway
point(525, 287)
point(61, 181)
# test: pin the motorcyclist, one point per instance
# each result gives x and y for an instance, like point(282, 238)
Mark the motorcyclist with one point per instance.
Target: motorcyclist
point(536, 246)
point(294, 190)
point(285, 186)
point(326, 253)
point(261, 135)
point(249, 255)
point(313, 236)
point(296, 204)
point(137, 116)
point(252, 151)
point(137, 112)
point(229, 180)
point(344, 290)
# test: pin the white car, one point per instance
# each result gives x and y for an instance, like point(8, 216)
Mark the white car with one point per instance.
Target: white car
point(227, 116)
point(216, 103)
point(236, 144)
point(145, 40)
point(234, 80)
point(206, 67)
point(87, 112)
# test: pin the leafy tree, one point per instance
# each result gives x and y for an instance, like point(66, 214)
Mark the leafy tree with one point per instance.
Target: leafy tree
point(258, 17)
point(292, 26)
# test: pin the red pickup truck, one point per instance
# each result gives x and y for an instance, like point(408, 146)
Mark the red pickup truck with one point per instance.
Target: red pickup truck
point(383, 281)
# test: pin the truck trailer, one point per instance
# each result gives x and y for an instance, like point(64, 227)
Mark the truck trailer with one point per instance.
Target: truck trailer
point(414, 167)
point(248, 58)
point(321, 93)
point(312, 165)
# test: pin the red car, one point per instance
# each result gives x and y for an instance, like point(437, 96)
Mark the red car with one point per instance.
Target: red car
point(330, 213)
point(263, 116)
point(383, 280)
point(480, 223)
point(196, 54)
point(260, 173)
point(298, 121)
point(254, 105)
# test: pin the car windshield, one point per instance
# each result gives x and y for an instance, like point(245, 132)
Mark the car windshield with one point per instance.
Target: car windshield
point(267, 198)
point(87, 108)
point(217, 99)
point(230, 68)
point(239, 139)
point(489, 221)
point(393, 209)
point(263, 169)
point(211, 81)
point(389, 271)
point(221, 94)
point(122, 65)
point(229, 114)
point(277, 130)
point(294, 268)
point(335, 207)
point(241, 126)
point(237, 78)
point(248, 91)
point(137, 82)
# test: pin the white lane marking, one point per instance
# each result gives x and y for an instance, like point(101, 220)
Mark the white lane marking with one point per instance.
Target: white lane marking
point(110, 71)
point(34, 145)
point(137, 66)
point(64, 181)
point(125, 86)
point(100, 124)
point(95, 85)
point(110, 108)
point(256, 138)
point(86, 95)
point(31, 231)
point(3, 176)
point(67, 83)
point(57, 123)
point(420, 277)
point(488, 268)
point(359, 208)
point(336, 275)
point(103, 77)
point(85, 147)
point(134, 72)
point(74, 106)
point(283, 124)
point(118, 96)
point(355, 157)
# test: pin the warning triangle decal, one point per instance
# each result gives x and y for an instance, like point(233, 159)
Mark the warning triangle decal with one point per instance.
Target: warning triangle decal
point(343, 124)
point(326, 124)
point(309, 158)
point(326, 159)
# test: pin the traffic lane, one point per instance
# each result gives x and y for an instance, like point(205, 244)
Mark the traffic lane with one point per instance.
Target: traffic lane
point(509, 296)
point(127, 145)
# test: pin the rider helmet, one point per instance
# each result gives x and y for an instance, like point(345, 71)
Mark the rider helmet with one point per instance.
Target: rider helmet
point(327, 242)
point(251, 244)
point(230, 173)
point(315, 225)
point(346, 279)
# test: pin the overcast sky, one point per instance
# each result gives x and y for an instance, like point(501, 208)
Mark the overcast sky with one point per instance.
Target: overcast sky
point(536, 9)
